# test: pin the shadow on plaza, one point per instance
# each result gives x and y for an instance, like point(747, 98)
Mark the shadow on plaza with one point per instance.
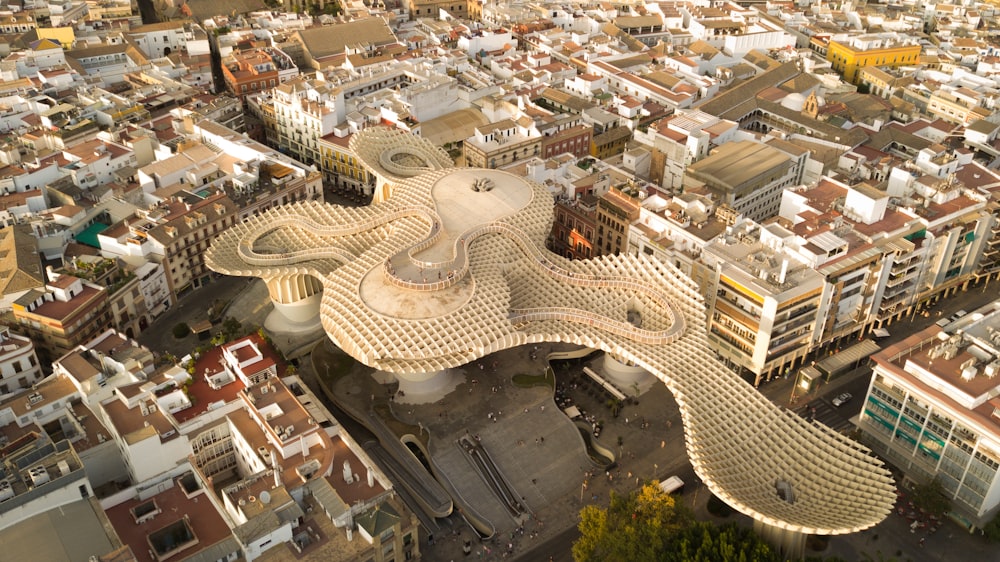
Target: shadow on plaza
point(541, 451)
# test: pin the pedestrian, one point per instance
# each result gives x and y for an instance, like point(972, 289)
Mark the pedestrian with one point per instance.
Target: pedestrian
point(663, 444)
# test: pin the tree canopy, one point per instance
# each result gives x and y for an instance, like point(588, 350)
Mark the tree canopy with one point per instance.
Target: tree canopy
point(930, 498)
point(649, 526)
point(992, 529)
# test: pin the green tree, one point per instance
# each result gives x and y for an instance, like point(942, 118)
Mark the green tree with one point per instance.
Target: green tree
point(930, 498)
point(181, 330)
point(232, 328)
point(648, 525)
point(705, 542)
point(992, 529)
point(634, 528)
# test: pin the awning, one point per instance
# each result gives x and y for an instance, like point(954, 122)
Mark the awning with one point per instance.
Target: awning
point(880, 333)
point(843, 360)
point(572, 412)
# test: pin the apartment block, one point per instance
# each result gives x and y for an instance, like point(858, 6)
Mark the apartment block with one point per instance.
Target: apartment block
point(19, 367)
point(504, 142)
point(575, 227)
point(256, 70)
point(68, 312)
point(676, 229)
point(932, 410)
point(616, 211)
point(175, 233)
point(341, 168)
point(763, 304)
point(305, 111)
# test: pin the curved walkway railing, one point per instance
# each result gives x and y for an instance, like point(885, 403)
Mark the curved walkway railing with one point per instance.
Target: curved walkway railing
point(404, 271)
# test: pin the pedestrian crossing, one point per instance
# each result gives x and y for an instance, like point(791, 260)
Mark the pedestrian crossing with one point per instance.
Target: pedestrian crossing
point(822, 411)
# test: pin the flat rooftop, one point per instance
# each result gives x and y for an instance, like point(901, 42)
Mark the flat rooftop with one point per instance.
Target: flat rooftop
point(734, 163)
point(202, 395)
point(72, 533)
point(174, 505)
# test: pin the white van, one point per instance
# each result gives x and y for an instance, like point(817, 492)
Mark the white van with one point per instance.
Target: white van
point(672, 485)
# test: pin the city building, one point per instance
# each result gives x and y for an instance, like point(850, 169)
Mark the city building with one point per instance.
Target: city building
point(256, 70)
point(19, 367)
point(66, 313)
point(125, 299)
point(574, 228)
point(676, 229)
point(931, 410)
point(616, 211)
point(501, 143)
point(163, 38)
point(341, 168)
point(174, 233)
point(748, 176)
point(22, 264)
point(680, 140)
point(42, 474)
point(762, 304)
point(892, 51)
point(306, 111)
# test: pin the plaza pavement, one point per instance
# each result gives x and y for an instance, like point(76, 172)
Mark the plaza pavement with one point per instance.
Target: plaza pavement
point(539, 450)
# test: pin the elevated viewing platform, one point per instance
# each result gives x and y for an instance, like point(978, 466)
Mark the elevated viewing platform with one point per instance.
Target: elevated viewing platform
point(453, 267)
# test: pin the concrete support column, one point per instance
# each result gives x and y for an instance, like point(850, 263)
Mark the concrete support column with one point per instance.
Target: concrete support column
point(421, 388)
point(790, 545)
point(625, 376)
point(296, 301)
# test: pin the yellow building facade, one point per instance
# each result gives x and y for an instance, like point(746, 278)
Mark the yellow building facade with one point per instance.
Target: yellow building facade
point(849, 60)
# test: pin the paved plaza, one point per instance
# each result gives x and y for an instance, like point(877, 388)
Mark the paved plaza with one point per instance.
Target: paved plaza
point(536, 446)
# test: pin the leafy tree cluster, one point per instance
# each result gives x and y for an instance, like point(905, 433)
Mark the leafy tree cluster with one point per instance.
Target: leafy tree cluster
point(992, 529)
point(231, 329)
point(649, 526)
point(930, 497)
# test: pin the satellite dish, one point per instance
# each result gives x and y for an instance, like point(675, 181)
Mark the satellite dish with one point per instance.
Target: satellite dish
point(265, 497)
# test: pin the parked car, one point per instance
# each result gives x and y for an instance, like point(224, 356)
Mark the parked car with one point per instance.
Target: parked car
point(841, 399)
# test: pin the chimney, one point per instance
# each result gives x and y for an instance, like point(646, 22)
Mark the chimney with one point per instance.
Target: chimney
point(784, 271)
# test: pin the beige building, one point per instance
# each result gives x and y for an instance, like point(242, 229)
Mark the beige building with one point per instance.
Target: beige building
point(431, 9)
point(960, 106)
point(762, 304)
point(498, 144)
point(175, 233)
point(748, 176)
point(21, 263)
point(68, 312)
point(304, 112)
point(616, 211)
